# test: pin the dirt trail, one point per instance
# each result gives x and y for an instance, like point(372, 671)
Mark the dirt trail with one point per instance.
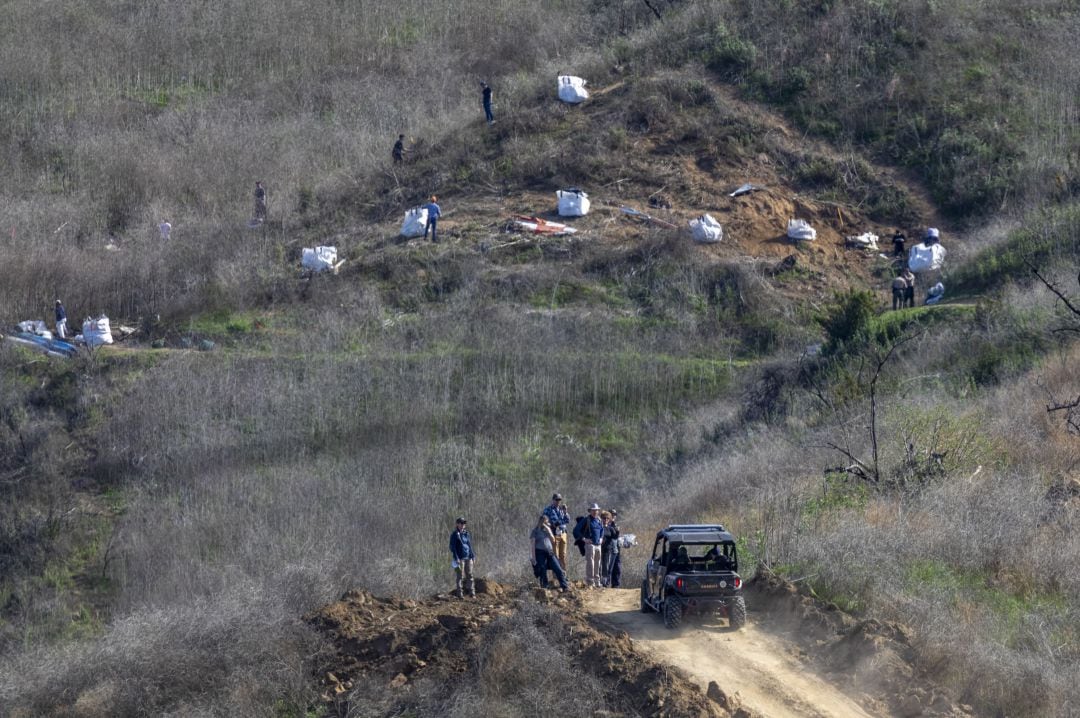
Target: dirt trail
point(762, 670)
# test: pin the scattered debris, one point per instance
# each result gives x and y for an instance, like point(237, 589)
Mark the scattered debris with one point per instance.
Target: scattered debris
point(45, 344)
point(572, 89)
point(573, 202)
point(35, 327)
point(784, 265)
point(706, 230)
point(537, 225)
point(320, 259)
point(866, 240)
point(800, 230)
point(935, 294)
point(631, 212)
point(746, 189)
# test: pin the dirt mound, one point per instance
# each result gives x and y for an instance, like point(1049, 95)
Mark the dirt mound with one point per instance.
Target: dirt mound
point(873, 658)
point(397, 644)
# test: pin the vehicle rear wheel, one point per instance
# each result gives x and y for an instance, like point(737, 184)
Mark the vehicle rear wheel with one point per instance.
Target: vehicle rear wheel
point(645, 607)
point(737, 613)
point(673, 613)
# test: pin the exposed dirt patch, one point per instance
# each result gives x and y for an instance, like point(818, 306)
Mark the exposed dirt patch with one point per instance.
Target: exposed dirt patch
point(397, 643)
point(798, 657)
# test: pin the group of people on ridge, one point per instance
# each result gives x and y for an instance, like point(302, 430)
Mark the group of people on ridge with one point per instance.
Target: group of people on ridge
point(596, 535)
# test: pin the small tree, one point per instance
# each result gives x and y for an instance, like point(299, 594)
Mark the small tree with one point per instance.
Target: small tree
point(1070, 408)
point(848, 318)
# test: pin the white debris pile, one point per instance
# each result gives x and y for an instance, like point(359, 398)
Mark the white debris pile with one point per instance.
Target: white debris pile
point(319, 259)
point(96, 332)
point(572, 89)
point(800, 230)
point(706, 230)
point(414, 223)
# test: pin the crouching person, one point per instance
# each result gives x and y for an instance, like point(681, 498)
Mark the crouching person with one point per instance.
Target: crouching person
point(541, 541)
point(462, 551)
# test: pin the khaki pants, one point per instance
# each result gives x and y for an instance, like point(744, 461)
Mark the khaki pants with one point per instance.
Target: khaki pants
point(464, 578)
point(592, 565)
point(560, 551)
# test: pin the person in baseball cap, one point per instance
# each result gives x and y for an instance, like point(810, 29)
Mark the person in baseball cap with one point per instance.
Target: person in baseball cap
point(558, 519)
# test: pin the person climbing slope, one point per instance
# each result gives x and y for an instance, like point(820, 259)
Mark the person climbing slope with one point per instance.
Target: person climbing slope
point(433, 214)
point(485, 90)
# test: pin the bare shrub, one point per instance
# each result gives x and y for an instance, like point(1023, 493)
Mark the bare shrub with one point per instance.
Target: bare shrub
point(234, 653)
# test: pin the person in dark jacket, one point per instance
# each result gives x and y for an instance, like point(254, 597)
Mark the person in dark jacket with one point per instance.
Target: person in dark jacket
point(485, 90)
point(61, 321)
point(898, 241)
point(616, 564)
point(260, 203)
point(558, 520)
point(593, 537)
point(609, 547)
point(399, 150)
point(543, 555)
point(462, 551)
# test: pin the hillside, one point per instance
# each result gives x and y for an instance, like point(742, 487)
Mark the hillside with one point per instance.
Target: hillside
point(179, 509)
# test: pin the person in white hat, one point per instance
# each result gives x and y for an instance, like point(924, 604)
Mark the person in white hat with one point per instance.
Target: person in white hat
point(593, 537)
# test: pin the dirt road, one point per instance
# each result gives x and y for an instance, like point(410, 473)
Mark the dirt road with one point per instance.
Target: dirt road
point(764, 670)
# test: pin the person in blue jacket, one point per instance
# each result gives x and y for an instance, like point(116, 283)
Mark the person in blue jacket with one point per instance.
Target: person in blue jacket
point(593, 536)
point(433, 214)
point(61, 321)
point(462, 551)
point(558, 519)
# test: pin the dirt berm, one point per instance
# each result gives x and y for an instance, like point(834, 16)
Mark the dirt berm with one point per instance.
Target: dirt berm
point(797, 656)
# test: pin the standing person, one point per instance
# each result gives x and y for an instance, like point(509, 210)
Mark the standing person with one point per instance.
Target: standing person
point(616, 564)
point(433, 214)
point(485, 89)
point(165, 228)
point(609, 547)
point(462, 551)
point(899, 291)
point(909, 291)
point(558, 519)
point(543, 555)
point(592, 538)
point(399, 150)
point(898, 241)
point(260, 202)
point(61, 320)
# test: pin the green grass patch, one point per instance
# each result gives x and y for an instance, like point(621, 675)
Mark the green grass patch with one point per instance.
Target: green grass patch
point(1010, 606)
point(1051, 240)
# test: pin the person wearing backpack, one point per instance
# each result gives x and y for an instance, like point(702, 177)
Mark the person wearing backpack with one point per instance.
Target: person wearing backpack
point(462, 551)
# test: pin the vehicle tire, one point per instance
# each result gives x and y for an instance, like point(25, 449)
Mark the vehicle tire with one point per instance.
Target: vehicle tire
point(737, 613)
point(673, 612)
point(645, 607)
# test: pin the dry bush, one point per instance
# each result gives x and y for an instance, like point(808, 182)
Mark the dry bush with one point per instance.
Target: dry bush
point(234, 654)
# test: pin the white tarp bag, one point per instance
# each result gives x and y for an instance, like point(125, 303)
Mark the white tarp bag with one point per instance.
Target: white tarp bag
point(572, 202)
point(35, 326)
point(319, 259)
point(572, 89)
point(800, 230)
point(936, 293)
point(926, 257)
point(706, 229)
point(415, 222)
point(96, 332)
